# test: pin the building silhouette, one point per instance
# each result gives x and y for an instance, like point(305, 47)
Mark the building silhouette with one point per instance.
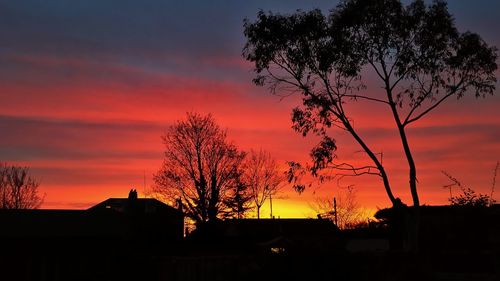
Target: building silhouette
point(142, 239)
point(113, 240)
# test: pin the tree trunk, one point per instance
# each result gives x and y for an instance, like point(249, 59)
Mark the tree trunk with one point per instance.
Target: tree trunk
point(373, 157)
point(213, 209)
point(412, 168)
point(414, 217)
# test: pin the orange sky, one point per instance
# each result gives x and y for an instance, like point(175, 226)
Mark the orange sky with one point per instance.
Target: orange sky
point(85, 107)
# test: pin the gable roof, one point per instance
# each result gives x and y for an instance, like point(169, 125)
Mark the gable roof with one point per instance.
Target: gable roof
point(138, 206)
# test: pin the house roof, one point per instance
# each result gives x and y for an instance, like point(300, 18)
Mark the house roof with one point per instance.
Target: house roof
point(108, 218)
point(443, 210)
point(137, 205)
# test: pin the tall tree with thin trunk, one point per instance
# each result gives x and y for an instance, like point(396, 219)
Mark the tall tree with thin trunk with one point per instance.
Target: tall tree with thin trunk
point(263, 176)
point(18, 188)
point(419, 57)
point(200, 167)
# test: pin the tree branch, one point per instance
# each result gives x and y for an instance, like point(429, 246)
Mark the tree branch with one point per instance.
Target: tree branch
point(366, 98)
point(432, 107)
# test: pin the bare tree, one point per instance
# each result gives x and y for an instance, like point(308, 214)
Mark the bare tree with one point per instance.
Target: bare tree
point(349, 213)
point(263, 176)
point(18, 189)
point(4, 190)
point(200, 167)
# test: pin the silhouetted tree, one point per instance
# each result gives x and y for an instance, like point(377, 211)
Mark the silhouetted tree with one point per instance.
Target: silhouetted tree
point(467, 195)
point(414, 51)
point(18, 189)
point(239, 201)
point(200, 167)
point(263, 176)
point(349, 213)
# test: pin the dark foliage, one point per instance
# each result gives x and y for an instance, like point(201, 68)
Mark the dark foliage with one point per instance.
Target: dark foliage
point(239, 201)
point(467, 196)
point(417, 53)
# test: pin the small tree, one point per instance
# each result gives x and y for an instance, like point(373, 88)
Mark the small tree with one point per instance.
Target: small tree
point(468, 197)
point(18, 188)
point(349, 213)
point(263, 176)
point(200, 167)
point(239, 201)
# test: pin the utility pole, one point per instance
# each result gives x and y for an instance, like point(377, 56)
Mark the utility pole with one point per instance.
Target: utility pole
point(271, 204)
point(335, 210)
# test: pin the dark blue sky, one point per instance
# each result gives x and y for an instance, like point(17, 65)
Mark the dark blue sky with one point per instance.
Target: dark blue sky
point(149, 33)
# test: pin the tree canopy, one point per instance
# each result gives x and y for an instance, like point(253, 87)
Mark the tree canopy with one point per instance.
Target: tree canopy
point(263, 177)
point(416, 52)
point(201, 168)
point(18, 188)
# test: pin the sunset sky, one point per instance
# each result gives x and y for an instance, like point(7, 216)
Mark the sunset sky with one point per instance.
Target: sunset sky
point(88, 87)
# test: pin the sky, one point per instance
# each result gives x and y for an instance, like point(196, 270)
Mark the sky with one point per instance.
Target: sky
point(87, 88)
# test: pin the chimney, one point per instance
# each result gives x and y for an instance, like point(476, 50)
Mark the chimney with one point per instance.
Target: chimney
point(132, 195)
point(131, 206)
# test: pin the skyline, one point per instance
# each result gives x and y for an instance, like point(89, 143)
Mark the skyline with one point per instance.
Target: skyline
point(84, 103)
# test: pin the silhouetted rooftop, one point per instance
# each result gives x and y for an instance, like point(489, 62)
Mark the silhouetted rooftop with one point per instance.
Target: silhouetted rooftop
point(427, 210)
point(114, 217)
point(137, 205)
